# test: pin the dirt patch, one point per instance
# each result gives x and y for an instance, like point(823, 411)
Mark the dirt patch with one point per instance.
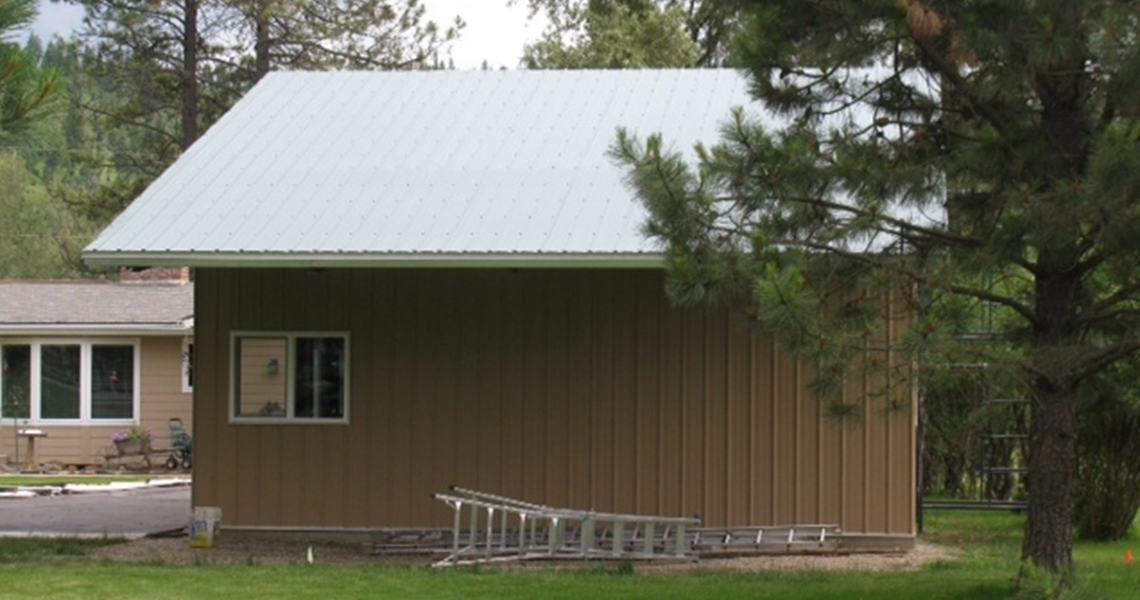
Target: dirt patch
point(921, 555)
point(235, 550)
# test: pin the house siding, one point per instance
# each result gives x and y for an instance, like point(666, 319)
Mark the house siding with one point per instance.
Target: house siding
point(579, 388)
point(161, 398)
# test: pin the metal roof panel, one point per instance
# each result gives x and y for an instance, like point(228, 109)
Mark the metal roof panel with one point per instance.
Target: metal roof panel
point(406, 163)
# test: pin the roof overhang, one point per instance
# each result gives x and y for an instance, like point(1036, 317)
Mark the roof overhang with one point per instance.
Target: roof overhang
point(593, 260)
point(97, 329)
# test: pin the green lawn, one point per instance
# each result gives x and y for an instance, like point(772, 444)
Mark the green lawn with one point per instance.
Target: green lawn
point(59, 480)
point(990, 543)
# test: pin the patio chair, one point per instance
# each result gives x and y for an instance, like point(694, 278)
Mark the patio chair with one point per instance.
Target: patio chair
point(181, 445)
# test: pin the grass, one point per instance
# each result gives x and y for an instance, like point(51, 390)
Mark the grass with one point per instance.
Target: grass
point(59, 480)
point(990, 544)
point(23, 550)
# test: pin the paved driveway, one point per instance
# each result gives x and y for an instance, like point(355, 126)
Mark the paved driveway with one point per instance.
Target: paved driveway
point(129, 513)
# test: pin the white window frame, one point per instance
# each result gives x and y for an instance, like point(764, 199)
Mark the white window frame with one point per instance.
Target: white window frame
point(187, 364)
point(290, 373)
point(85, 419)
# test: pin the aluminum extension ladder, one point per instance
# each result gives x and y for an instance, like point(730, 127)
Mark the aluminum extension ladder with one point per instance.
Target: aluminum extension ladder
point(544, 532)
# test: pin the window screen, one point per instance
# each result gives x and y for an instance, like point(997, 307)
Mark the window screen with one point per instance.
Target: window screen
point(15, 381)
point(59, 381)
point(112, 382)
point(260, 376)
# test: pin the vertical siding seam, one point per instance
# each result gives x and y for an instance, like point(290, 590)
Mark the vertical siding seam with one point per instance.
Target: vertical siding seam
point(889, 383)
point(544, 465)
point(728, 483)
point(568, 425)
point(660, 404)
point(797, 450)
point(774, 458)
point(225, 431)
point(454, 354)
point(682, 407)
point(866, 442)
point(912, 444)
point(843, 491)
point(370, 334)
point(706, 441)
point(819, 445)
point(615, 447)
point(751, 427)
point(548, 461)
point(590, 429)
point(221, 404)
point(417, 389)
point(637, 436)
point(500, 389)
point(432, 384)
point(259, 278)
point(526, 371)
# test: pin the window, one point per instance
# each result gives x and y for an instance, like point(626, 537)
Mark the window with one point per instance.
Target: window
point(112, 382)
point(70, 382)
point(59, 381)
point(293, 377)
point(15, 381)
point(187, 365)
point(319, 383)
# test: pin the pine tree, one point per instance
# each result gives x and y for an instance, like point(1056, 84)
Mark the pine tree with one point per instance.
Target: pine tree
point(25, 89)
point(649, 30)
point(979, 153)
point(155, 53)
point(338, 34)
point(615, 35)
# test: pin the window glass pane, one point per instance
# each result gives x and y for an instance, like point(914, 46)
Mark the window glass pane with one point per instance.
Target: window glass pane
point(319, 381)
point(259, 377)
point(188, 366)
point(15, 381)
point(112, 382)
point(59, 382)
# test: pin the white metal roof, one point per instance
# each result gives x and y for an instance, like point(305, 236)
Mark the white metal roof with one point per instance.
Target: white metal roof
point(440, 167)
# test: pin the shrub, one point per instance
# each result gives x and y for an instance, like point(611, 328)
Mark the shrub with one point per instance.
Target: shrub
point(1108, 493)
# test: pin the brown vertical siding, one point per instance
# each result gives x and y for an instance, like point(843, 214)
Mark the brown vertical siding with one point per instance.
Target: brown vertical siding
point(569, 387)
point(160, 399)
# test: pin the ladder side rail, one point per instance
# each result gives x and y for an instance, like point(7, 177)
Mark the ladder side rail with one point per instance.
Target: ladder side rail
point(601, 516)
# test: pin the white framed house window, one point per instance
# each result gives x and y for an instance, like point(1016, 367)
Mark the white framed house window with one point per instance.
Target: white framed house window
point(187, 365)
point(289, 377)
point(70, 382)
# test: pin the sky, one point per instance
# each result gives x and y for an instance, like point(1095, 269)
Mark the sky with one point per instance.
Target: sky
point(495, 31)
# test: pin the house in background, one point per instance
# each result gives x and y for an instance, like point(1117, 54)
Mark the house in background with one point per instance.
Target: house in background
point(413, 279)
point(82, 360)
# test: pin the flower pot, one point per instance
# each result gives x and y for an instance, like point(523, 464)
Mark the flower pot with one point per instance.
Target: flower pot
point(132, 447)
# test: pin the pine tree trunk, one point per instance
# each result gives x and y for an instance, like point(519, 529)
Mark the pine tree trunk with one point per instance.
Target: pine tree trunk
point(189, 81)
point(1052, 463)
point(1052, 476)
point(261, 43)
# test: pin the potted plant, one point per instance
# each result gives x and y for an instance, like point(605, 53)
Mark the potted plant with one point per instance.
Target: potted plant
point(134, 441)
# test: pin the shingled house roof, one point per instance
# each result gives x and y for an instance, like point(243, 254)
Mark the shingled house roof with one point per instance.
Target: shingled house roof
point(441, 167)
point(95, 306)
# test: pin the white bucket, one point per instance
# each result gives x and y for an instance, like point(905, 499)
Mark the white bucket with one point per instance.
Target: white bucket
point(204, 526)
